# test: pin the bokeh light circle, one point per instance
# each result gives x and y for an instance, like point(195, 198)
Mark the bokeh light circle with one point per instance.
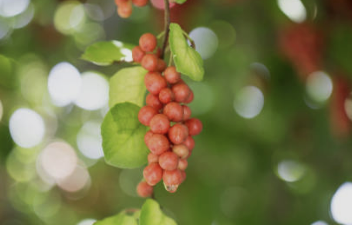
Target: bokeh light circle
point(205, 40)
point(341, 204)
point(293, 9)
point(87, 222)
point(249, 102)
point(1, 110)
point(290, 170)
point(89, 140)
point(319, 86)
point(10, 8)
point(76, 181)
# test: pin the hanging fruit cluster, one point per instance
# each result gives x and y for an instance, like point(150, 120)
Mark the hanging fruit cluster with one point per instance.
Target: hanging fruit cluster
point(171, 129)
point(124, 7)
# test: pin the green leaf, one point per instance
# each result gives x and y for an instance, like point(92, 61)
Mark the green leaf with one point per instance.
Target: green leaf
point(179, 1)
point(106, 52)
point(119, 219)
point(151, 214)
point(123, 137)
point(127, 85)
point(187, 60)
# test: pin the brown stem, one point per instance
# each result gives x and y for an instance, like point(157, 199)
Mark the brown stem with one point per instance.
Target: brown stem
point(166, 26)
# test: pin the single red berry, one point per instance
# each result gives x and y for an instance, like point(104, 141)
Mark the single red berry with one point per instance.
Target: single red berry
point(124, 9)
point(154, 82)
point(152, 158)
point(195, 126)
point(178, 133)
point(168, 161)
point(144, 190)
point(174, 111)
point(140, 3)
point(153, 101)
point(118, 2)
point(183, 173)
point(189, 143)
point(137, 54)
point(153, 174)
point(181, 91)
point(182, 164)
point(161, 65)
point(145, 114)
point(147, 137)
point(190, 98)
point(171, 75)
point(186, 112)
point(158, 143)
point(159, 124)
point(166, 95)
point(148, 42)
point(172, 177)
point(181, 150)
point(150, 62)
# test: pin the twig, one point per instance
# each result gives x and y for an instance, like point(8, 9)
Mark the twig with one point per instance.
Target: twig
point(166, 26)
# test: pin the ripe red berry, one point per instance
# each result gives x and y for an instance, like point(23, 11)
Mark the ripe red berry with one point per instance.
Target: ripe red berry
point(153, 174)
point(189, 143)
point(147, 137)
point(154, 82)
point(158, 143)
point(145, 114)
point(148, 42)
point(150, 62)
point(144, 190)
point(152, 158)
point(178, 133)
point(186, 112)
point(124, 9)
point(166, 95)
point(171, 75)
point(174, 111)
point(181, 151)
point(137, 54)
point(172, 179)
point(140, 3)
point(183, 173)
point(195, 126)
point(159, 124)
point(118, 2)
point(161, 65)
point(153, 101)
point(182, 164)
point(168, 161)
point(181, 91)
point(190, 98)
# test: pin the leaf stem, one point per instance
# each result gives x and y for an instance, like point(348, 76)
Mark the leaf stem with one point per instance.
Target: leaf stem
point(193, 44)
point(166, 26)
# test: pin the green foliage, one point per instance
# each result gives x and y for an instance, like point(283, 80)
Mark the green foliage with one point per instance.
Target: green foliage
point(7, 71)
point(119, 219)
point(187, 60)
point(123, 137)
point(106, 52)
point(127, 85)
point(151, 214)
point(180, 1)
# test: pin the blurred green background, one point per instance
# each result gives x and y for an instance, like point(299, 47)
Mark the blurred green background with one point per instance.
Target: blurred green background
point(275, 104)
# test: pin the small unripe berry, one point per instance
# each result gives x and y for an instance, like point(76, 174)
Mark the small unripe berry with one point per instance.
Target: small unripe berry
point(153, 101)
point(189, 143)
point(159, 124)
point(178, 133)
point(190, 98)
point(168, 161)
point(144, 190)
point(181, 91)
point(140, 3)
point(174, 111)
point(172, 177)
point(182, 164)
point(154, 82)
point(147, 42)
point(181, 150)
point(145, 114)
point(195, 126)
point(152, 158)
point(153, 174)
point(124, 9)
point(158, 143)
point(147, 137)
point(137, 54)
point(150, 62)
point(166, 95)
point(186, 112)
point(171, 75)
point(161, 65)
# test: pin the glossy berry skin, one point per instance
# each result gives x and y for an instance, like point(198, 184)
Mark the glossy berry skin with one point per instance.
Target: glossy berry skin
point(150, 62)
point(182, 164)
point(171, 75)
point(144, 190)
point(158, 143)
point(152, 158)
point(168, 161)
point(146, 113)
point(190, 98)
point(147, 137)
point(195, 126)
point(124, 9)
point(178, 133)
point(189, 143)
point(159, 124)
point(181, 151)
point(153, 101)
point(161, 65)
point(181, 91)
point(137, 54)
point(154, 82)
point(174, 111)
point(166, 95)
point(140, 3)
point(172, 177)
point(186, 112)
point(153, 174)
point(148, 42)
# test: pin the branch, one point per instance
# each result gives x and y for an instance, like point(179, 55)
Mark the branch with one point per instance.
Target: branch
point(166, 26)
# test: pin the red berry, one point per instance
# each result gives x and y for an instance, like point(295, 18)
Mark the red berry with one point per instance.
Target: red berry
point(158, 144)
point(124, 9)
point(159, 124)
point(181, 91)
point(152, 174)
point(183, 173)
point(182, 164)
point(147, 137)
point(145, 114)
point(150, 62)
point(174, 111)
point(154, 82)
point(171, 75)
point(158, 52)
point(148, 42)
point(153, 101)
point(172, 177)
point(168, 161)
point(161, 65)
point(186, 112)
point(152, 158)
point(166, 95)
point(178, 133)
point(189, 143)
point(137, 54)
point(118, 2)
point(181, 150)
point(190, 98)
point(140, 3)
point(144, 190)
point(194, 125)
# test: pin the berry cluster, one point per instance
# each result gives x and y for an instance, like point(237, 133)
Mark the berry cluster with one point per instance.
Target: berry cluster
point(171, 129)
point(124, 7)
